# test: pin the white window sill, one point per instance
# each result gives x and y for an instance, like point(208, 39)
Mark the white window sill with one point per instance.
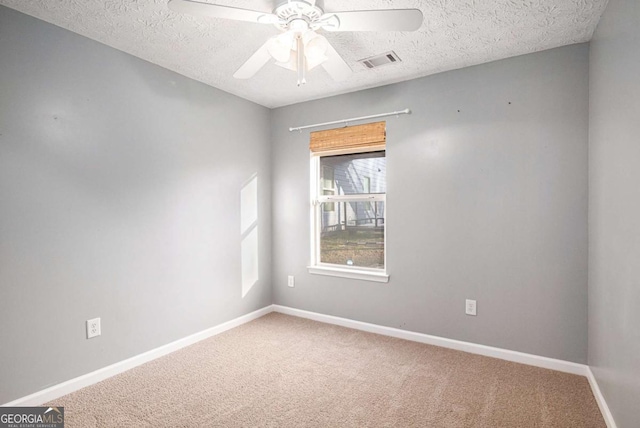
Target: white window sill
point(349, 273)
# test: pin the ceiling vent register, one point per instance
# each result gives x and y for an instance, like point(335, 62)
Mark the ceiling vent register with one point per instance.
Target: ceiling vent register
point(379, 60)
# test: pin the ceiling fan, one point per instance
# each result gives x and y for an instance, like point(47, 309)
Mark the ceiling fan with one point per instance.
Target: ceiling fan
point(300, 48)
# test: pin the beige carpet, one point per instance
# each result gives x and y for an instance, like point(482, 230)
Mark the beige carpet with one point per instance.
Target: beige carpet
point(282, 371)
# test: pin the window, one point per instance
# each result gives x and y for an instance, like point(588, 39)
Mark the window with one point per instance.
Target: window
point(348, 212)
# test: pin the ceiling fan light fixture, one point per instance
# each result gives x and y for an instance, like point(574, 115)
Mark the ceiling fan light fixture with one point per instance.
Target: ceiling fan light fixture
point(315, 49)
point(280, 47)
point(307, 52)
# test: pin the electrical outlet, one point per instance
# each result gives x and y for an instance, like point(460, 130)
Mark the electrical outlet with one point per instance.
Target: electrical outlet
point(292, 281)
point(93, 328)
point(470, 307)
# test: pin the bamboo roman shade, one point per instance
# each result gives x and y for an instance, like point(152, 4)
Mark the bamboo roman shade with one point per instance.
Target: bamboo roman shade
point(361, 137)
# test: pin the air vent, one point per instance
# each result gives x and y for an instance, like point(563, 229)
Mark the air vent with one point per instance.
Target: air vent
point(379, 60)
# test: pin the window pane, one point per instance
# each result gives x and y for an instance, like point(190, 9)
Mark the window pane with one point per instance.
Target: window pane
point(327, 178)
point(356, 173)
point(353, 234)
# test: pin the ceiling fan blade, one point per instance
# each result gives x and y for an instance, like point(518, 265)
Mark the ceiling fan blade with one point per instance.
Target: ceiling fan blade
point(375, 20)
point(218, 11)
point(337, 68)
point(255, 63)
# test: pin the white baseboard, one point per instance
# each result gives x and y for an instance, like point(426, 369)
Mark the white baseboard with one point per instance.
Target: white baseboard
point(473, 348)
point(83, 381)
point(602, 404)
point(75, 384)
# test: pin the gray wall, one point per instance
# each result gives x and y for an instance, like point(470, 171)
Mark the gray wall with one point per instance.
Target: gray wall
point(119, 198)
point(486, 200)
point(614, 210)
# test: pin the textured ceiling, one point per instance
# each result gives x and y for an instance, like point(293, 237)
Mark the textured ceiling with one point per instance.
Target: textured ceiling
point(455, 34)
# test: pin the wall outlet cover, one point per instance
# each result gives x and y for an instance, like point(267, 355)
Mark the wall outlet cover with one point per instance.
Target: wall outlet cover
point(93, 328)
point(470, 307)
point(291, 281)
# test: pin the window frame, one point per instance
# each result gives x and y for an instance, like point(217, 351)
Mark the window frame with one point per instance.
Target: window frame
point(316, 200)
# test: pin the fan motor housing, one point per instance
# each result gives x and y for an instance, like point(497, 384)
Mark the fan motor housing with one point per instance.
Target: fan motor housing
point(290, 10)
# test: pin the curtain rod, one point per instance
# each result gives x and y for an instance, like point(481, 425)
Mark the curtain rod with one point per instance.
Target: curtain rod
point(353, 119)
